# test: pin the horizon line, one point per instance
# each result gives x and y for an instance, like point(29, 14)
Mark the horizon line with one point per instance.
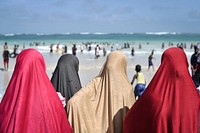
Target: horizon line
point(98, 33)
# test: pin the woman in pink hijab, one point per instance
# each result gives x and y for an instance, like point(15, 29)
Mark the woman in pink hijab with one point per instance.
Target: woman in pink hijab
point(170, 104)
point(30, 103)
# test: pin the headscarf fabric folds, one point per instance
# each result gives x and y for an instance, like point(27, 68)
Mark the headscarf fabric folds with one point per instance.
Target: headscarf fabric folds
point(102, 104)
point(65, 78)
point(170, 103)
point(30, 103)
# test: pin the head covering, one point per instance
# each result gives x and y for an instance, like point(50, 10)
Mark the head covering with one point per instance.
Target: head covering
point(102, 104)
point(170, 103)
point(30, 103)
point(65, 78)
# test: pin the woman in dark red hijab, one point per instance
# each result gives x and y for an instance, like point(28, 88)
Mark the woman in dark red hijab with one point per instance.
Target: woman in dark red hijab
point(170, 104)
point(30, 103)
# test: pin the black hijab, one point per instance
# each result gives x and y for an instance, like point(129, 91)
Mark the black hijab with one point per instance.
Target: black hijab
point(65, 78)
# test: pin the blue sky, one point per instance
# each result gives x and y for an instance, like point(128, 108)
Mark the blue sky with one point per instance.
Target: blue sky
point(104, 16)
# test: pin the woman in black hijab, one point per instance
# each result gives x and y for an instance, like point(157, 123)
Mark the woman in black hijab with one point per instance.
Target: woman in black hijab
point(65, 78)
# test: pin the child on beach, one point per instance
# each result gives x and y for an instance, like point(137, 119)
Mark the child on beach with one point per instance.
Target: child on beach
point(141, 82)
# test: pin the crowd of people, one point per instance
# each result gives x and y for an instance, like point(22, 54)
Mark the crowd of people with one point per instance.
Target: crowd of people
point(107, 104)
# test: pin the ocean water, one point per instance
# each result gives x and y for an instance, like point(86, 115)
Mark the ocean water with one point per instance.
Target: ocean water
point(148, 40)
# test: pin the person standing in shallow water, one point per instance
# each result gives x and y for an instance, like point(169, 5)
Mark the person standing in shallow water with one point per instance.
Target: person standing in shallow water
point(51, 48)
point(65, 49)
point(104, 51)
point(97, 49)
point(5, 45)
point(6, 55)
point(14, 53)
point(74, 49)
point(132, 51)
point(150, 62)
point(57, 48)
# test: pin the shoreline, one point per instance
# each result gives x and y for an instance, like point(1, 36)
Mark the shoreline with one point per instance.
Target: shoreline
point(89, 67)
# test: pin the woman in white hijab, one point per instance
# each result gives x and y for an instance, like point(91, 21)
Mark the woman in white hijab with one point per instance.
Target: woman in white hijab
point(102, 104)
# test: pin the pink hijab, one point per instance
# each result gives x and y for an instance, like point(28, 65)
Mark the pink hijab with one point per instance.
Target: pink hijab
point(170, 104)
point(30, 104)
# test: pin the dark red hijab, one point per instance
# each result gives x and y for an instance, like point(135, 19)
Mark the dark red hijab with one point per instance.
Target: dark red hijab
point(31, 104)
point(170, 103)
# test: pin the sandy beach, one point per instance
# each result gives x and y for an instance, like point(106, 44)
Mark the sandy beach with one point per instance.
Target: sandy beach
point(89, 67)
